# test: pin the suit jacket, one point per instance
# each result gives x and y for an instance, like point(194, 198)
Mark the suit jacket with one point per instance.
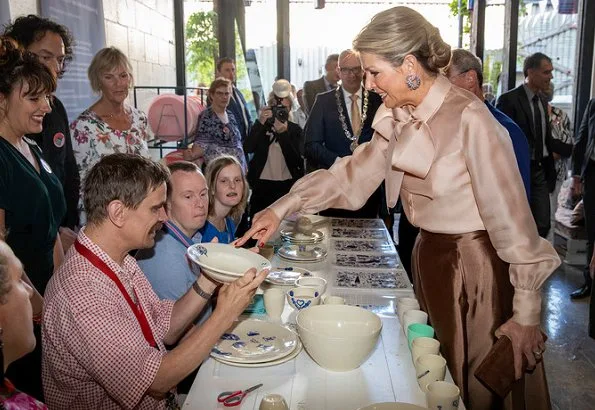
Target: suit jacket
point(585, 141)
point(325, 139)
point(516, 105)
point(311, 90)
point(236, 108)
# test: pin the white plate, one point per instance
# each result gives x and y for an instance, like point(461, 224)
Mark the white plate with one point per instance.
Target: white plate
point(255, 341)
point(224, 262)
point(286, 276)
point(392, 406)
point(309, 254)
point(291, 356)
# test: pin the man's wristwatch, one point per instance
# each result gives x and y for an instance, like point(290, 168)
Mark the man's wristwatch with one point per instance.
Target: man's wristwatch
point(201, 292)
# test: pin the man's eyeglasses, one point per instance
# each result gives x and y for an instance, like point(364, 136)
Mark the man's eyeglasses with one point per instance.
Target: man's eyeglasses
point(351, 70)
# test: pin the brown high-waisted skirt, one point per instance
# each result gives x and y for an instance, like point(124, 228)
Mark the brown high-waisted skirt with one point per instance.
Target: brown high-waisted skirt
point(465, 288)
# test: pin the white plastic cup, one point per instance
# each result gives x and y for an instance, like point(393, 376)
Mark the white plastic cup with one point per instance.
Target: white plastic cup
point(424, 345)
point(273, 402)
point(274, 302)
point(442, 395)
point(405, 304)
point(429, 368)
point(414, 316)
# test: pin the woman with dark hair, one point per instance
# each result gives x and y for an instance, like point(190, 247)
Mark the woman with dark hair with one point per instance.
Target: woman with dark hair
point(31, 197)
point(52, 44)
point(16, 327)
point(217, 131)
point(478, 262)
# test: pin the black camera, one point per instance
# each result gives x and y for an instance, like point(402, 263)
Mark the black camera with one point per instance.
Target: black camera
point(280, 112)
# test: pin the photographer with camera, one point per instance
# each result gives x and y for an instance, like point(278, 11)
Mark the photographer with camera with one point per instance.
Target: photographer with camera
point(276, 143)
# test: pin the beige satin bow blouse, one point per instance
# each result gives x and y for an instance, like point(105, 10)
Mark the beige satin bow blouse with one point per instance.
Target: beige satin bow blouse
point(454, 166)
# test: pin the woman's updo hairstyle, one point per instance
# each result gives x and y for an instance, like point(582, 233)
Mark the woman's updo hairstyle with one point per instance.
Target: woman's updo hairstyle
point(18, 67)
point(397, 32)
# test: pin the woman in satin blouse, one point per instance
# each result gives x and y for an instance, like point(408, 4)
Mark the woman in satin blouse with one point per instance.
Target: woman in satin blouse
point(478, 262)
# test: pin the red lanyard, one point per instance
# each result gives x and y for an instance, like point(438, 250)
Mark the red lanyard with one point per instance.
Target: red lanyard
point(136, 307)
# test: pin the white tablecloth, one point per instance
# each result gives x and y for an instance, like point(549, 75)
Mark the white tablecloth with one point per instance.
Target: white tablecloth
point(388, 375)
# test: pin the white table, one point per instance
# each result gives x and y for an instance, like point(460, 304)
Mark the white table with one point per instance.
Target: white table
point(387, 375)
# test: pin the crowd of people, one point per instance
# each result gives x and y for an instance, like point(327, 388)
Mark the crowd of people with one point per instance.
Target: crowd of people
point(99, 307)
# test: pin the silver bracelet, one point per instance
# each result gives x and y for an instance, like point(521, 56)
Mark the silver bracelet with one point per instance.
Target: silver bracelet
point(201, 292)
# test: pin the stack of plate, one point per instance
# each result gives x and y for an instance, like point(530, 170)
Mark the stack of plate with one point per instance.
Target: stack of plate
point(302, 253)
point(286, 276)
point(255, 343)
point(223, 262)
point(297, 238)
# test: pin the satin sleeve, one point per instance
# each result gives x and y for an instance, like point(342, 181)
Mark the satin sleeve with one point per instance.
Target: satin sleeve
point(346, 185)
point(505, 212)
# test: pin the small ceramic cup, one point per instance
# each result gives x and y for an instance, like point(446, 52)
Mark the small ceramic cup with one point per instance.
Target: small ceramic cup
point(273, 402)
point(405, 304)
point(429, 368)
point(302, 297)
point(312, 282)
point(424, 345)
point(442, 395)
point(334, 300)
point(416, 330)
point(274, 302)
point(414, 316)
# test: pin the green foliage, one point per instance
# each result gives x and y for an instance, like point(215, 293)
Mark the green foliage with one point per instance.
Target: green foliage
point(202, 47)
point(454, 11)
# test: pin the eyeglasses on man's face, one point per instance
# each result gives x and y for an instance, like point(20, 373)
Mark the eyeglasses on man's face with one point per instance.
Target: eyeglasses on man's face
point(351, 70)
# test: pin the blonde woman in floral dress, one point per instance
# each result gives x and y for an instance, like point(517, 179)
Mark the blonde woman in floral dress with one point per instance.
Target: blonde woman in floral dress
point(110, 125)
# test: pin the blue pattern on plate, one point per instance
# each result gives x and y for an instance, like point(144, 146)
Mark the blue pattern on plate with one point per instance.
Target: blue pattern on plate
point(253, 333)
point(230, 336)
point(268, 339)
point(219, 352)
point(239, 344)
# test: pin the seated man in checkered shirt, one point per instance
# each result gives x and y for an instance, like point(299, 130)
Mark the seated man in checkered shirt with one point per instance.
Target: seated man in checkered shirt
point(104, 329)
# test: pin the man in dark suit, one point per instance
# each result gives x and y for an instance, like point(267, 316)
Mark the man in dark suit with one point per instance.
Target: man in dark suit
point(340, 120)
point(325, 83)
point(526, 106)
point(237, 104)
point(583, 175)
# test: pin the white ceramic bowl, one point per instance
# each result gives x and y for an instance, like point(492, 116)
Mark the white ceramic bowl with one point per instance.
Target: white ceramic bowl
point(223, 262)
point(303, 297)
point(338, 337)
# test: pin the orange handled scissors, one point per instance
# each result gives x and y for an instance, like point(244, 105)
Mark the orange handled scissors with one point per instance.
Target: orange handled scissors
point(234, 398)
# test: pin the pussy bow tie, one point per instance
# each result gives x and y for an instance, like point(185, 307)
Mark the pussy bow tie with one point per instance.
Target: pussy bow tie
point(410, 149)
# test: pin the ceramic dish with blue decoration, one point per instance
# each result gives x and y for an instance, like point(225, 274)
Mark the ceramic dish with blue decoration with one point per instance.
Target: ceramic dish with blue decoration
point(286, 276)
point(223, 262)
point(255, 341)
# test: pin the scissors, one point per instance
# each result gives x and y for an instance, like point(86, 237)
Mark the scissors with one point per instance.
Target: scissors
point(234, 398)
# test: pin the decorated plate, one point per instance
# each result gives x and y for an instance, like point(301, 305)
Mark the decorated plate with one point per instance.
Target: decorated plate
point(286, 276)
point(301, 253)
point(224, 262)
point(255, 341)
point(392, 406)
point(290, 356)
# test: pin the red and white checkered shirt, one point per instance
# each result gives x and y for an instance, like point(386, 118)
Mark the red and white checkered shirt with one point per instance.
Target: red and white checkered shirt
point(94, 353)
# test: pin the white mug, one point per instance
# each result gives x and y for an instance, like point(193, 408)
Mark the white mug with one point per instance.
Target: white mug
point(414, 316)
point(273, 402)
point(334, 300)
point(405, 304)
point(424, 345)
point(429, 368)
point(312, 282)
point(274, 302)
point(442, 396)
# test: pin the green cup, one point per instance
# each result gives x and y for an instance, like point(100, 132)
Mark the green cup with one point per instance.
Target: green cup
point(416, 330)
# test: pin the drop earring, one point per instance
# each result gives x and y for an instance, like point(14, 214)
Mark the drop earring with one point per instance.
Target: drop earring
point(413, 81)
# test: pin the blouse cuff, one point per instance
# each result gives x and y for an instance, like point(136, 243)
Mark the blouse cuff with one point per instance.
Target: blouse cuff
point(526, 307)
point(288, 204)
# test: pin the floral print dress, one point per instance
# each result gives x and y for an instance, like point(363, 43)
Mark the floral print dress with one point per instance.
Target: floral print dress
point(217, 138)
point(93, 138)
point(12, 399)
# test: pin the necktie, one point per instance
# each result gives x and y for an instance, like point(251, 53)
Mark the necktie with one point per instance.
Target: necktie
point(356, 119)
point(538, 143)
